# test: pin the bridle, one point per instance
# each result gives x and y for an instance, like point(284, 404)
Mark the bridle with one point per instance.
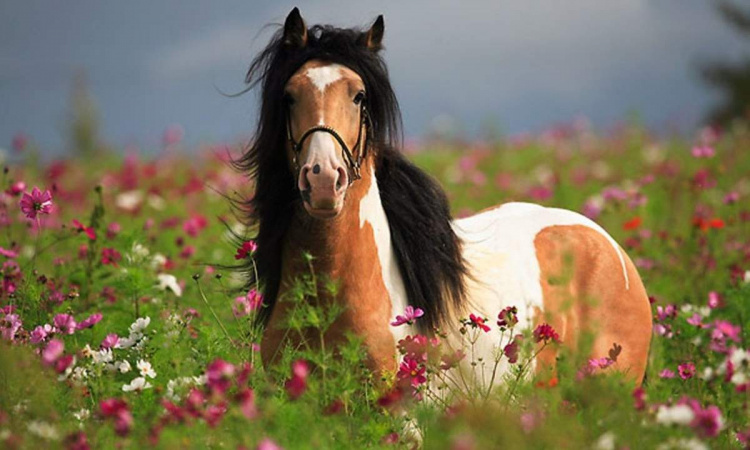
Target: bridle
point(353, 164)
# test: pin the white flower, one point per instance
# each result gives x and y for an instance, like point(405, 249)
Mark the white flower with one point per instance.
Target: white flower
point(139, 325)
point(677, 414)
point(156, 202)
point(746, 278)
point(605, 441)
point(123, 366)
point(79, 374)
point(138, 384)
point(167, 281)
point(707, 374)
point(82, 415)
point(138, 253)
point(682, 444)
point(130, 200)
point(125, 342)
point(44, 430)
point(158, 260)
point(103, 356)
point(145, 368)
point(87, 351)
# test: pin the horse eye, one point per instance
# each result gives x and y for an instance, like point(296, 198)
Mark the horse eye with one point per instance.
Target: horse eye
point(288, 99)
point(359, 97)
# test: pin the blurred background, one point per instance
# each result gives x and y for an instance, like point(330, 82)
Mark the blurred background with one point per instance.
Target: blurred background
point(137, 73)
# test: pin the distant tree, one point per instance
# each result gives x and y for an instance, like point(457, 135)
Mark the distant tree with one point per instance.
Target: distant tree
point(83, 124)
point(732, 79)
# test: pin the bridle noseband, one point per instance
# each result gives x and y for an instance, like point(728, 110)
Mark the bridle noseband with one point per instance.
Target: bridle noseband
point(353, 164)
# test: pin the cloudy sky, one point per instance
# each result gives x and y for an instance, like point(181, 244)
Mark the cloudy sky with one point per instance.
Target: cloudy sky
point(518, 64)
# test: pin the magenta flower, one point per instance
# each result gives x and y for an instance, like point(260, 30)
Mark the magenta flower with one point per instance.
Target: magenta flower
point(219, 375)
point(686, 370)
point(41, 332)
point(723, 329)
point(247, 304)
point(507, 318)
point(110, 256)
point(83, 228)
point(110, 341)
point(707, 422)
point(412, 372)
point(52, 352)
point(247, 249)
point(410, 315)
point(65, 323)
point(90, 321)
point(511, 350)
point(8, 253)
point(16, 189)
point(544, 333)
point(194, 225)
point(695, 320)
point(113, 229)
point(117, 409)
point(246, 399)
point(639, 398)
point(10, 324)
point(37, 202)
point(297, 384)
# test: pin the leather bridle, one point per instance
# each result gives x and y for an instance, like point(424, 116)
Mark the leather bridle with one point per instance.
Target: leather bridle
point(353, 164)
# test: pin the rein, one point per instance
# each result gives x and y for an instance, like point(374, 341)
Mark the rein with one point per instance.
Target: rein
point(353, 164)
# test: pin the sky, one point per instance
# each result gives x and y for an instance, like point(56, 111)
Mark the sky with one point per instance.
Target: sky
point(515, 65)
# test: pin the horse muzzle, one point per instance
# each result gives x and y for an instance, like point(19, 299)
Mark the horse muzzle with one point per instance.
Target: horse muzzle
point(322, 186)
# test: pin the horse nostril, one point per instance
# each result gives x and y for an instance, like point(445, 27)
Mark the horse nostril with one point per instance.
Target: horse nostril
point(342, 180)
point(316, 169)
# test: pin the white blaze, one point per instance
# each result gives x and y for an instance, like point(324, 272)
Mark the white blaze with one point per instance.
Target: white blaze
point(322, 76)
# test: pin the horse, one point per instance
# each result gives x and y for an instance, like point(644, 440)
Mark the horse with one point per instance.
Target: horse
point(331, 181)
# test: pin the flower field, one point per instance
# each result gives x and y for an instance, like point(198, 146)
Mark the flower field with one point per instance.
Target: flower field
point(125, 323)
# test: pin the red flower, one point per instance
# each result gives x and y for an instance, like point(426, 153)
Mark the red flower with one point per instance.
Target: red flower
point(247, 249)
point(507, 318)
point(37, 202)
point(82, 228)
point(632, 224)
point(545, 333)
point(110, 256)
point(478, 322)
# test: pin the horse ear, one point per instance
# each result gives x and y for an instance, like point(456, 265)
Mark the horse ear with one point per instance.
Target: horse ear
point(295, 30)
point(373, 39)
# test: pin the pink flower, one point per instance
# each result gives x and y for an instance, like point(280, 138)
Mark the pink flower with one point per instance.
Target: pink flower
point(686, 370)
point(110, 341)
point(65, 323)
point(52, 352)
point(40, 333)
point(722, 329)
point(544, 333)
point(511, 350)
point(714, 300)
point(667, 312)
point(246, 399)
point(695, 320)
point(666, 373)
point(478, 322)
point(194, 225)
point(268, 444)
point(639, 399)
point(410, 315)
point(704, 151)
point(83, 228)
point(219, 375)
point(248, 303)
point(247, 249)
point(707, 422)
point(90, 321)
point(37, 202)
point(118, 410)
point(731, 198)
point(412, 372)
point(507, 318)
point(8, 253)
point(16, 189)
point(110, 256)
point(113, 229)
point(10, 324)
point(297, 384)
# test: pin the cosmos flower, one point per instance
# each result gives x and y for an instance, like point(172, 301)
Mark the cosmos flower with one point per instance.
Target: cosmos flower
point(247, 249)
point(410, 315)
point(478, 322)
point(544, 333)
point(411, 371)
point(37, 202)
point(144, 367)
point(138, 384)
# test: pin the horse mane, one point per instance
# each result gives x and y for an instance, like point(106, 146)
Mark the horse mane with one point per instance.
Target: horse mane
point(427, 249)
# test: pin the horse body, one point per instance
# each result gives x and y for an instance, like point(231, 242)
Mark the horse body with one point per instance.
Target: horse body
point(381, 228)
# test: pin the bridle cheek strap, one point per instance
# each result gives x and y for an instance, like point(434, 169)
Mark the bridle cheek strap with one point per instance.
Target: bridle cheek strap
point(353, 164)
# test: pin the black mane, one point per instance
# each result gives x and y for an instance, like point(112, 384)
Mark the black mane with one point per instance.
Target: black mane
point(428, 251)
